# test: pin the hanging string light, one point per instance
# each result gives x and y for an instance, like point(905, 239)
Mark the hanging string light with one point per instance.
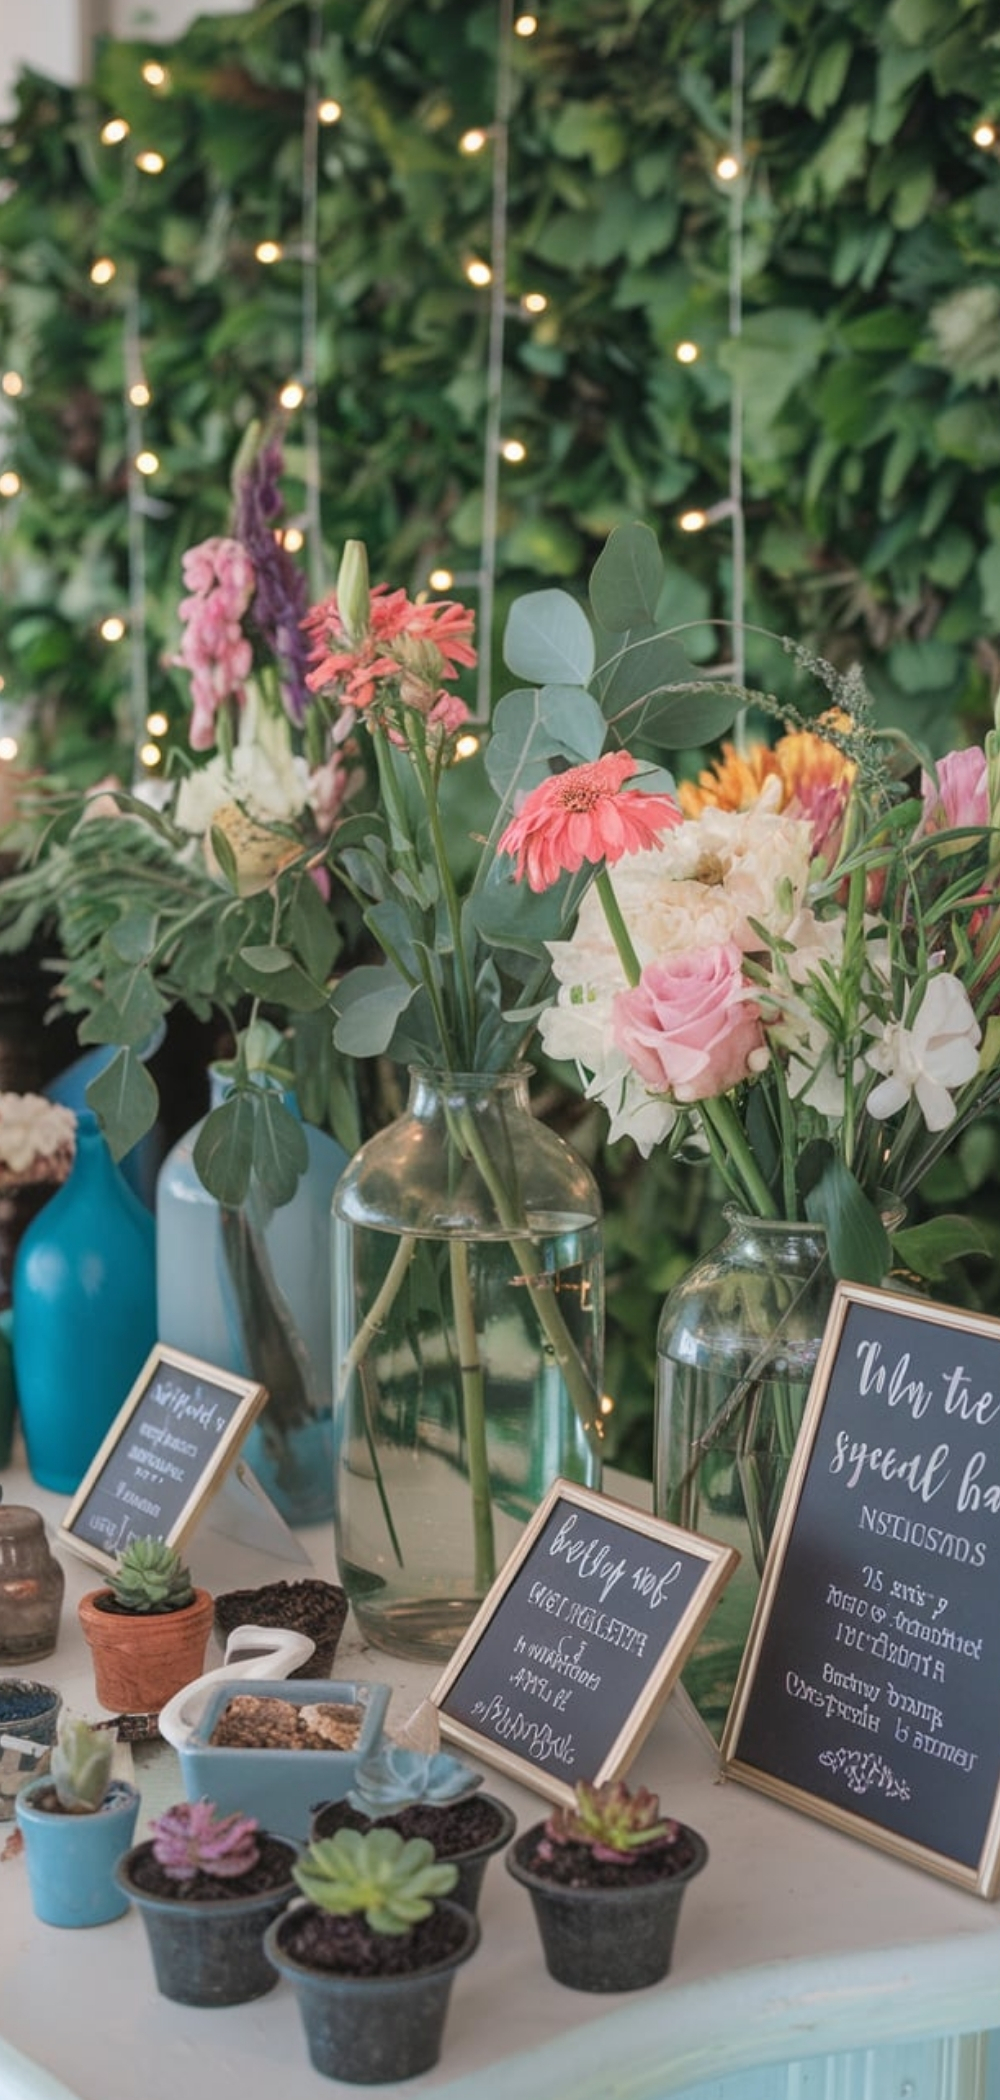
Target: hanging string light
point(495, 351)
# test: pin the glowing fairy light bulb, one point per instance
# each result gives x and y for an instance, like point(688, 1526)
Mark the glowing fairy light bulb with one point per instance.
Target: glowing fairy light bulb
point(441, 579)
point(534, 302)
point(154, 74)
point(112, 628)
point(114, 131)
point(466, 746)
point(147, 463)
point(293, 538)
point(103, 270)
point(329, 111)
point(157, 723)
point(478, 272)
point(985, 135)
point(727, 167)
point(472, 141)
point(10, 483)
point(292, 394)
point(139, 394)
point(12, 385)
point(8, 748)
point(526, 25)
point(687, 353)
point(269, 251)
point(150, 755)
point(150, 162)
point(514, 451)
point(693, 520)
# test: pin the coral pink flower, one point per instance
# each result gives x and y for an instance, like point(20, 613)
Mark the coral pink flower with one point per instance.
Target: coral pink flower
point(584, 815)
point(354, 673)
point(215, 650)
point(689, 1027)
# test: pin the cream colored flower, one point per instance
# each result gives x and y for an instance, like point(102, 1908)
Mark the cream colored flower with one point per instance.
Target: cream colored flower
point(929, 1060)
point(34, 1131)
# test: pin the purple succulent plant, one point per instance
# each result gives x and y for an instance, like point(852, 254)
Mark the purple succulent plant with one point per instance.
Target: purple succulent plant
point(613, 1822)
point(192, 1838)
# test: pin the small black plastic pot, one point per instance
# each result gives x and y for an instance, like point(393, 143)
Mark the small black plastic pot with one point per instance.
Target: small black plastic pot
point(208, 1953)
point(606, 1939)
point(373, 2030)
point(471, 1865)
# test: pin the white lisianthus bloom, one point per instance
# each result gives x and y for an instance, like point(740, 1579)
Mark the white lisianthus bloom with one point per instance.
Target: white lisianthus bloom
point(577, 1030)
point(939, 1053)
point(263, 776)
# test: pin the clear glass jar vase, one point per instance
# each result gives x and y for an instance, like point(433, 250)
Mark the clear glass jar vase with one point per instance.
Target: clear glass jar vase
point(736, 1348)
point(468, 1292)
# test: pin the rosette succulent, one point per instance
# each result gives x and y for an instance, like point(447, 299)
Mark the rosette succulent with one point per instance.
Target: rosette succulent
point(392, 1779)
point(392, 1881)
point(150, 1577)
point(193, 1838)
point(80, 1764)
point(614, 1823)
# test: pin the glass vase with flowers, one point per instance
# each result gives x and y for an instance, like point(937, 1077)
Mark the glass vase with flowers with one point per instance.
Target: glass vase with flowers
point(802, 987)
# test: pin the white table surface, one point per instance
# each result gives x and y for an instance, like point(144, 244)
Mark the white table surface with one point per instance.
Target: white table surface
point(794, 1941)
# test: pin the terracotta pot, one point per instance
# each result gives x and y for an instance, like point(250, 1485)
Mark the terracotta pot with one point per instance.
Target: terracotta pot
point(141, 1659)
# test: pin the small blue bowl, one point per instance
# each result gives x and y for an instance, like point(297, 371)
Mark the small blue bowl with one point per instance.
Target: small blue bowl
point(282, 1788)
point(28, 1711)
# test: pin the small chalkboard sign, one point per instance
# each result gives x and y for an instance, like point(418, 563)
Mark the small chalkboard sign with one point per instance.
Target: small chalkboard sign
point(870, 1689)
point(164, 1456)
point(572, 1653)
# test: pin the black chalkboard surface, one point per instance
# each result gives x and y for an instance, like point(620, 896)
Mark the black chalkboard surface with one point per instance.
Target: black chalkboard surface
point(870, 1690)
point(572, 1653)
point(165, 1454)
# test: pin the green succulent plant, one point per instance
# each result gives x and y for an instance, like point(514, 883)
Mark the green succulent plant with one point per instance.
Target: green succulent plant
point(81, 1764)
point(392, 1778)
point(391, 1880)
point(150, 1577)
point(614, 1823)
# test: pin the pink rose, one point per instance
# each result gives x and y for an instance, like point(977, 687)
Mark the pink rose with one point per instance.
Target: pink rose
point(961, 795)
point(689, 1027)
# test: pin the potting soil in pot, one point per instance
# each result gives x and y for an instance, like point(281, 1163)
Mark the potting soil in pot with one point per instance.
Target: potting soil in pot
point(348, 1946)
point(251, 1721)
point(574, 1866)
point(270, 1871)
point(459, 1827)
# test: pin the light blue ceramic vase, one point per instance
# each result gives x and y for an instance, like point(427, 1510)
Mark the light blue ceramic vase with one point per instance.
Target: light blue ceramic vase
point(84, 1299)
point(71, 1859)
point(251, 1293)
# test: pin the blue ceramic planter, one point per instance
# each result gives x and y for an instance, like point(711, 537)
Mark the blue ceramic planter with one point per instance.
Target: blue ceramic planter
point(72, 1859)
point(282, 1788)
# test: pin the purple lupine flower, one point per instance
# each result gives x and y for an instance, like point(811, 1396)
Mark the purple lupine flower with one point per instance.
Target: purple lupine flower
point(280, 597)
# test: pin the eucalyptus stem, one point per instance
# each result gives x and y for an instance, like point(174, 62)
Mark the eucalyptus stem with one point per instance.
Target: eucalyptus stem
point(471, 1373)
point(381, 1304)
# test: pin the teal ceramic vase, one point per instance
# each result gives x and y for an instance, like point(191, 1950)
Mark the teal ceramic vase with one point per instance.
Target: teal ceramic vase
point(84, 1312)
point(250, 1291)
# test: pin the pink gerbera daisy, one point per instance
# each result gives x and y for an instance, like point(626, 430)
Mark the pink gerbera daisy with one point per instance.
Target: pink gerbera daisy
point(583, 815)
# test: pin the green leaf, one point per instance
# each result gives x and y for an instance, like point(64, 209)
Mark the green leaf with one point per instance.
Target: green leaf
point(314, 931)
point(856, 1237)
point(929, 1247)
point(531, 728)
point(548, 639)
point(224, 1149)
point(626, 579)
point(280, 1150)
point(129, 1011)
point(124, 1100)
point(274, 975)
point(368, 1003)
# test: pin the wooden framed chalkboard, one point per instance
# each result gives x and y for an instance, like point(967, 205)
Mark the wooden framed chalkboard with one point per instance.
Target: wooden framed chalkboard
point(164, 1456)
point(572, 1653)
point(870, 1689)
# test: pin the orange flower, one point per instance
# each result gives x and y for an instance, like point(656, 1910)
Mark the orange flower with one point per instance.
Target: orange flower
point(734, 781)
point(581, 815)
point(815, 778)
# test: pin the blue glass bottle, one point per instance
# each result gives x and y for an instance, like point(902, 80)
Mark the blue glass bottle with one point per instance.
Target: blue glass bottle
point(251, 1293)
point(84, 1312)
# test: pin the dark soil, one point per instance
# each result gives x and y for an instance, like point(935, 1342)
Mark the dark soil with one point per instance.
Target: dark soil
point(312, 1606)
point(273, 1869)
point(461, 1826)
point(350, 1947)
point(574, 1866)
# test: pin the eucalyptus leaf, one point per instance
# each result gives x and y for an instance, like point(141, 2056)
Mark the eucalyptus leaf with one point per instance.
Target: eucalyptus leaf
point(124, 1100)
point(627, 578)
point(368, 1003)
point(548, 639)
point(223, 1150)
point(531, 728)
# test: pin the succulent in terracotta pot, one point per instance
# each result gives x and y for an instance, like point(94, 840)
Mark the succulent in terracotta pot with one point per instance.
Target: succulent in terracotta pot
point(147, 1630)
point(76, 1822)
point(425, 1794)
point(206, 1887)
point(372, 1953)
point(606, 1876)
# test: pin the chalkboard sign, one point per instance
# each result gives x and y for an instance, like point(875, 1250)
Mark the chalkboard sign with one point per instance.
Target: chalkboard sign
point(164, 1455)
point(870, 1689)
point(571, 1655)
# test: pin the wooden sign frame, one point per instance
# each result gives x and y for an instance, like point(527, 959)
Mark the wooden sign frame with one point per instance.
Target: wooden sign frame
point(900, 1450)
point(704, 1568)
point(206, 1381)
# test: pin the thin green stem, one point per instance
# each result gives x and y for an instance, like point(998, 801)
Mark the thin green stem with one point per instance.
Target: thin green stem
point(617, 927)
point(471, 1374)
point(464, 990)
point(381, 1304)
point(720, 1117)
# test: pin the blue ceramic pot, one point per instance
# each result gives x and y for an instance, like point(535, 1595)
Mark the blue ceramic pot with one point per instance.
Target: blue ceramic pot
point(84, 1312)
point(71, 1859)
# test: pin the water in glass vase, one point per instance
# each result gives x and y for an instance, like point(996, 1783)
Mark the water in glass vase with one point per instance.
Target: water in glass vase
point(738, 1340)
point(468, 1360)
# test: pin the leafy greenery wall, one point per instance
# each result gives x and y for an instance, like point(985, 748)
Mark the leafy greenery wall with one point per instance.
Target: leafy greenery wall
point(869, 352)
